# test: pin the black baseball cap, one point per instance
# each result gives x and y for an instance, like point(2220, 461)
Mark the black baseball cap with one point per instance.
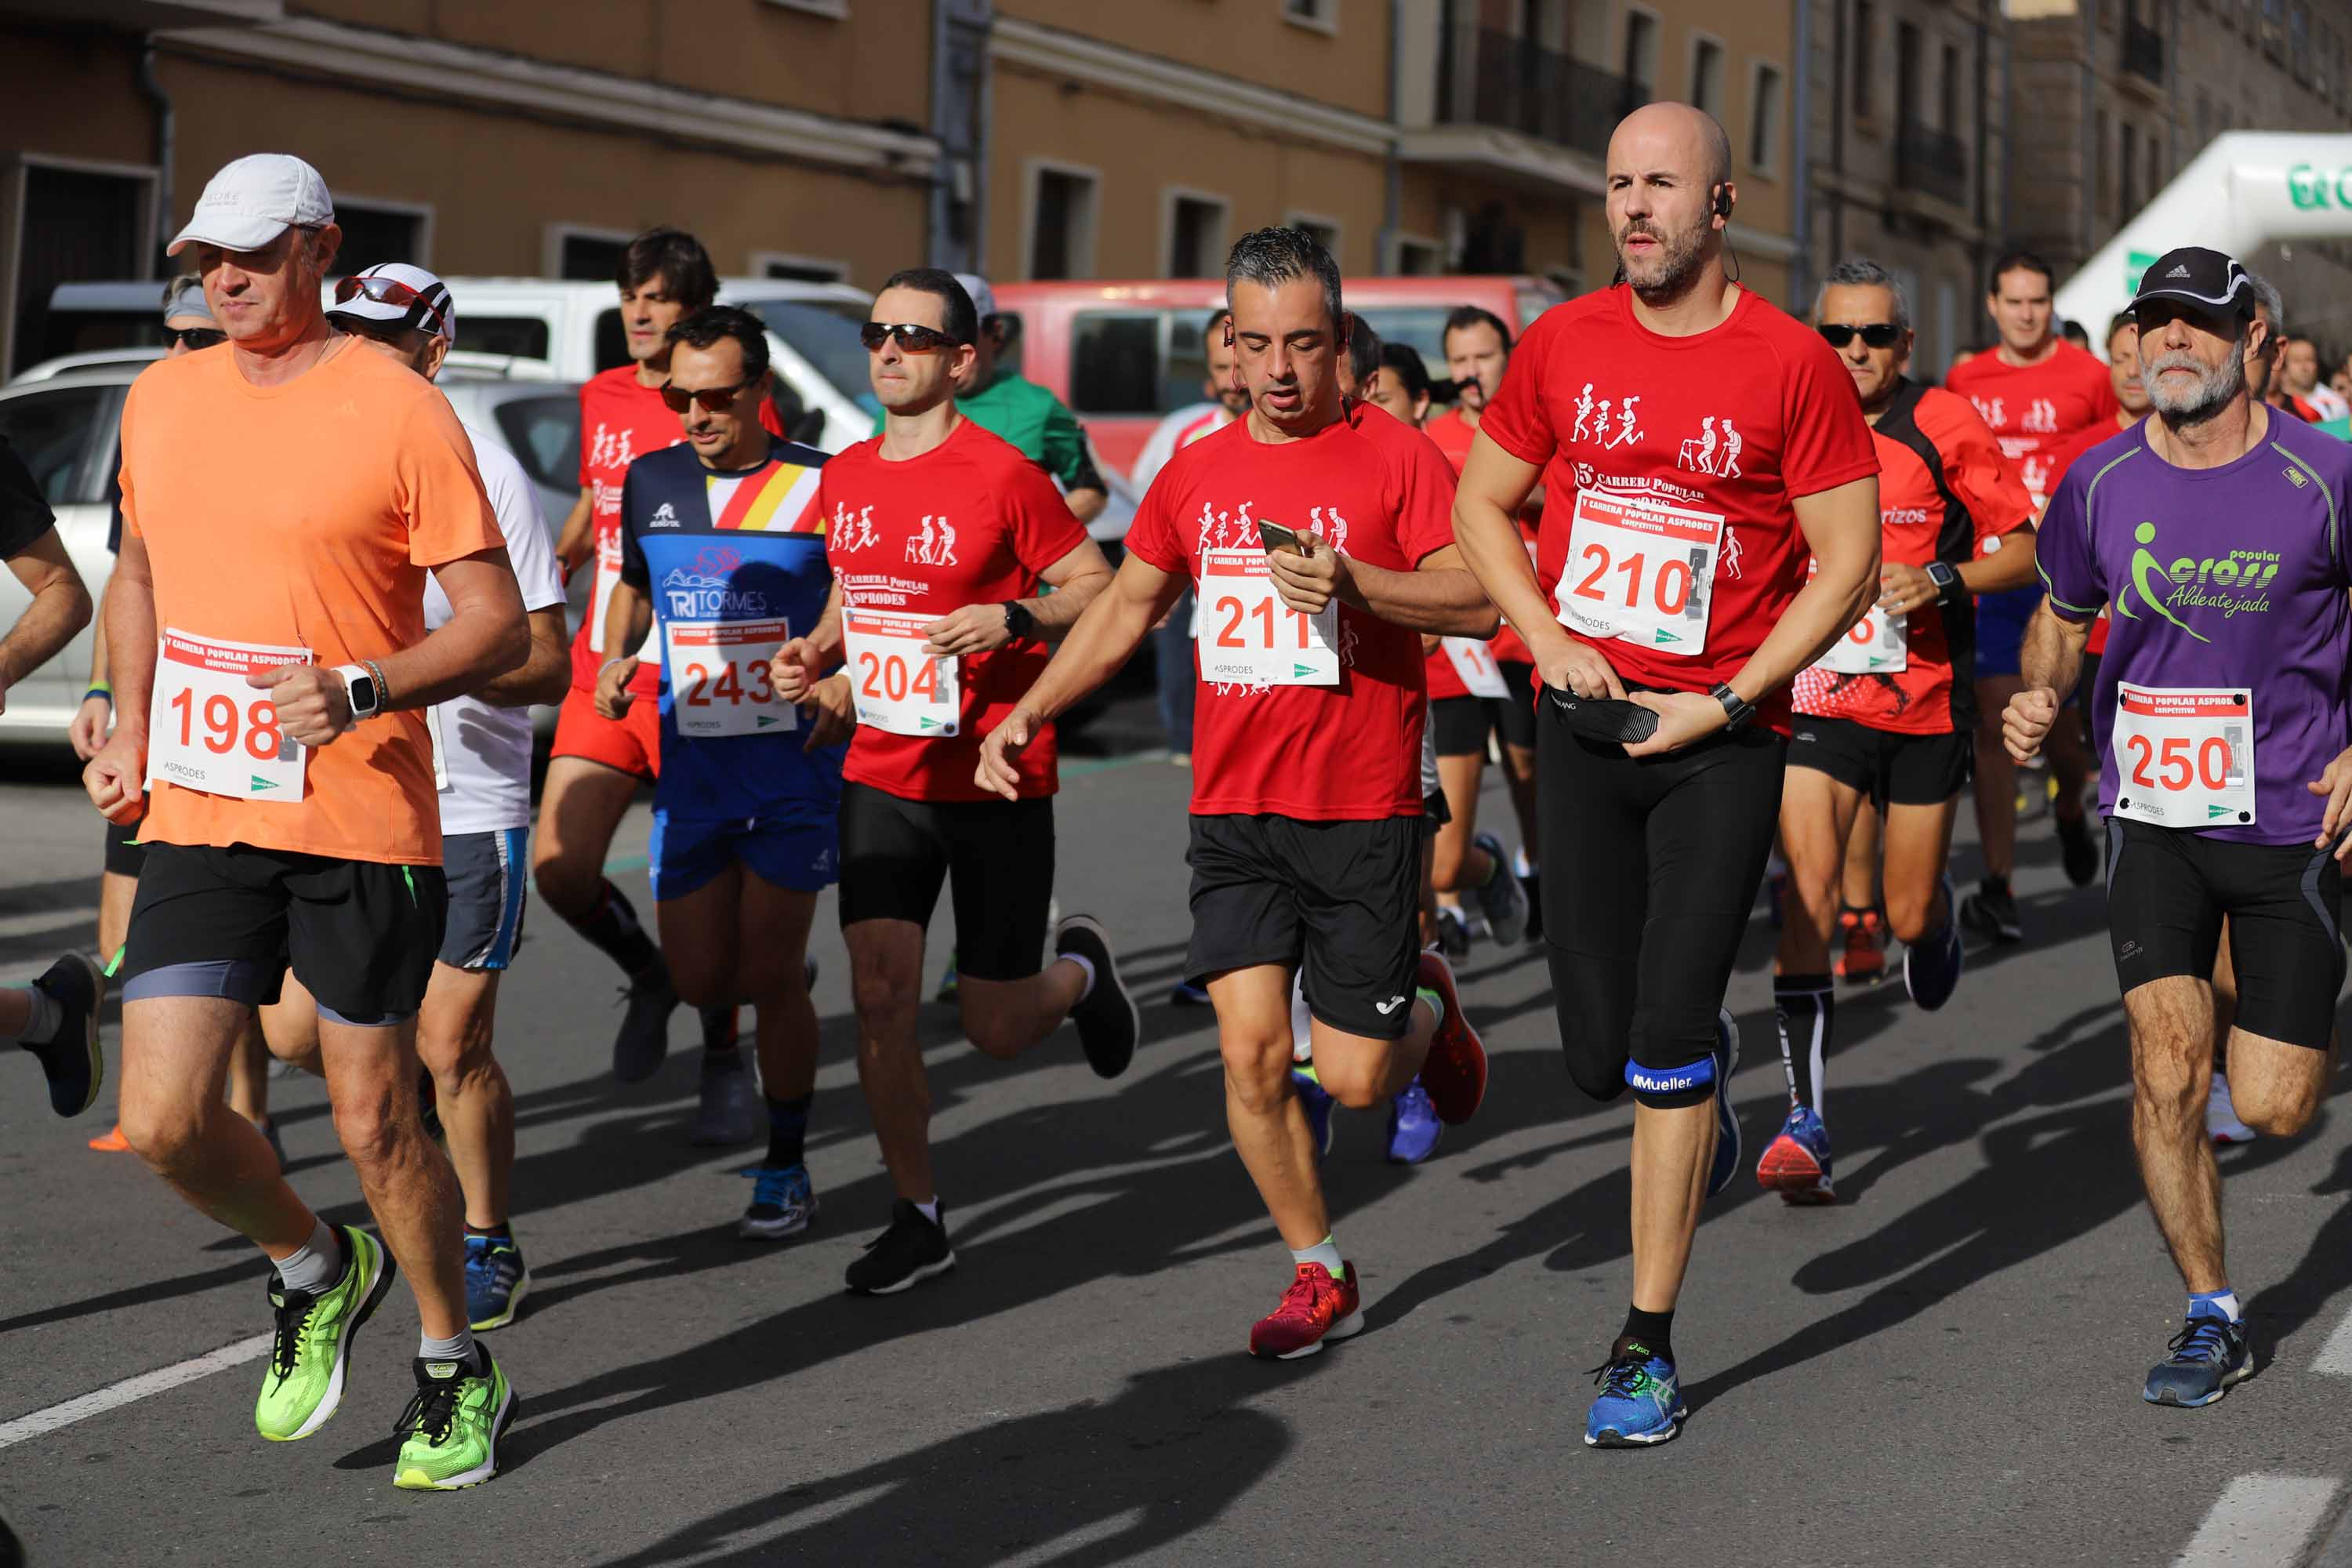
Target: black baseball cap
point(2196, 276)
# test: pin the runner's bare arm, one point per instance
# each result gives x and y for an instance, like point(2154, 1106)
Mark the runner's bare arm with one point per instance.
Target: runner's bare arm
point(60, 607)
point(1439, 595)
point(1110, 630)
point(1903, 589)
point(546, 675)
point(577, 536)
point(1075, 578)
point(803, 661)
point(1486, 500)
point(116, 777)
point(628, 619)
point(2049, 665)
point(86, 730)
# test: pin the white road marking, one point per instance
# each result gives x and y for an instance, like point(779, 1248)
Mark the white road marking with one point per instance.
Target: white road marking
point(2261, 1520)
point(39, 921)
point(41, 1423)
point(2336, 1356)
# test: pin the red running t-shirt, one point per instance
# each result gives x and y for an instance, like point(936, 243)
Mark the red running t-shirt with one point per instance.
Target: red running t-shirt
point(971, 521)
point(1669, 529)
point(2083, 441)
point(2036, 410)
point(1376, 490)
point(1453, 436)
point(1921, 523)
point(621, 420)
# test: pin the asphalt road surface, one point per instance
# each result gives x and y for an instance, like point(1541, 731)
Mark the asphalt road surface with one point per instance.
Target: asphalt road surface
point(1944, 1368)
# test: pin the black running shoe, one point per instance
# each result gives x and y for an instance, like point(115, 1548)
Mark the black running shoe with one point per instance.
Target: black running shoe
point(1109, 1023)
point(71, 1058)
point(909, 1252)
point(1533, 883)
point(1992, 914)
point(643, 1039)
point(2077, 852)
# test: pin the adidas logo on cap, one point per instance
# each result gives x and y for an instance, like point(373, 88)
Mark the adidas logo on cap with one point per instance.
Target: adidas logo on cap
point(2179, 272)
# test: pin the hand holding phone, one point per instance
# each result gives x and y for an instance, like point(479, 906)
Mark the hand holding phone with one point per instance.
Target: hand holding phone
point(1274, 536)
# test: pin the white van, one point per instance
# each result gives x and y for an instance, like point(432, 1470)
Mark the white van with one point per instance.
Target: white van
point(573, 328)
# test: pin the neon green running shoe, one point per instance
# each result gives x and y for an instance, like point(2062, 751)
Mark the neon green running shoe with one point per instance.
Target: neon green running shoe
point(304, 1382)
point(453, 1426)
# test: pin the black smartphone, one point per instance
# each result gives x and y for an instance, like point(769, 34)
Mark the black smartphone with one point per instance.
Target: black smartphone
point(1603, 718)
point(1274, 536)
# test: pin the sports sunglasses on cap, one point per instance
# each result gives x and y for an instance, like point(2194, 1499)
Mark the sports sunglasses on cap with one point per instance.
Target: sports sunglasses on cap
point(390, 291)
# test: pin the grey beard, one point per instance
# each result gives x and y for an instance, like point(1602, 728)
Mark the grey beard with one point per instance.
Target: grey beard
point(2216, 390)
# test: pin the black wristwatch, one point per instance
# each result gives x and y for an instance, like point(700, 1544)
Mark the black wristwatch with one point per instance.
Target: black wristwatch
point(1737, 709)
point(1018, 622)
point(1947, 581)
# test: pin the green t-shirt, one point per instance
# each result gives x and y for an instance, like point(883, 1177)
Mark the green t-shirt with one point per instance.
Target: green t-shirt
point(1032, 418)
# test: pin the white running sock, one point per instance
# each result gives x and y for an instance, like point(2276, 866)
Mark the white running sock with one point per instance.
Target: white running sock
point(318, 1263)
point(1325, 1252)
point(930, 1209)
point(458, 1347)
point(48, 1015)
point(1086, 967)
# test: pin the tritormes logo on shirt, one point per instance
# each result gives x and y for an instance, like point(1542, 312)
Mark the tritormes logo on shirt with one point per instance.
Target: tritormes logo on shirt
point(701, 592)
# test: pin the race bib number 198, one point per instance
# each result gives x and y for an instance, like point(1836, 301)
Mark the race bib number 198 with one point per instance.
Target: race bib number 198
point(898, 685)
point(208, 730)
point(2185, 757)
point(1640, 569)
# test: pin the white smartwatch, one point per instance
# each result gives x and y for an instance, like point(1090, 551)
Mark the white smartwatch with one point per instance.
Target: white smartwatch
point(359, 686)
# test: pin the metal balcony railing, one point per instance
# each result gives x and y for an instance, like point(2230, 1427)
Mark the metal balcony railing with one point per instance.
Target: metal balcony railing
point(2144, 51)
point(1933, 162)
point(1492, 77)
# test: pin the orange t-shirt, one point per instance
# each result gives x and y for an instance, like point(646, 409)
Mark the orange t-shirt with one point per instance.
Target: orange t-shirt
point(304, 515)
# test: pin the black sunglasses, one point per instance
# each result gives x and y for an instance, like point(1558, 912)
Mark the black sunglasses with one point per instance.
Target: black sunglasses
point(194, 336)
point(1877, 335)
point(915, 340)
point(714, 399)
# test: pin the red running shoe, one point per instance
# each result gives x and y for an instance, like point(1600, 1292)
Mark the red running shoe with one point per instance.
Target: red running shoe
point(1456, 1071)
point(1864, 936)
point(1315, 1308)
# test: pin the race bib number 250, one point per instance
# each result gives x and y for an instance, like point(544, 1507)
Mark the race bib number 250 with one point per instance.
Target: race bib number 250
point(2185, 756)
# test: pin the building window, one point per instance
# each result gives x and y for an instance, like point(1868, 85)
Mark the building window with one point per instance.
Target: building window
point(2106, 190)
point(1419, 257)
point(584, 255)
point(1061, 222)
point(1196, 235)
point(1707, 76)
point(1323, 16)
point(382, 231)
point(1764, 119)
point(1909, 102)
point(1947, 92)
point(1641, 60)
point(798, 269)
point(835, 9)
point(2127, 162)
point(1325, 231)
point(1866, 54)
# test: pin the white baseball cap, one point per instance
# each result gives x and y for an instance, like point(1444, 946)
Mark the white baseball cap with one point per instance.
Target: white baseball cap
point(398, 292)
point(254, 199)
point(984, 297)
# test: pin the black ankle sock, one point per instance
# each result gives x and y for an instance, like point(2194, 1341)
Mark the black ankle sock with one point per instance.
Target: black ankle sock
point(719, 1033)
point(1992, 884)
point(612, 927)
point(788, 1129)
point(503, 1230)
point(1651, 1331)
point(1804, 1006)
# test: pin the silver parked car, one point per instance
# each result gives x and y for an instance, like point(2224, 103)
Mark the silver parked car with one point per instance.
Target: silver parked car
point(66, 426)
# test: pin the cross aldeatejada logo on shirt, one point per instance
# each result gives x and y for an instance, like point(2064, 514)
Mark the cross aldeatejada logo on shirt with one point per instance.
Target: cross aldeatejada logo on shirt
point(2236, 583)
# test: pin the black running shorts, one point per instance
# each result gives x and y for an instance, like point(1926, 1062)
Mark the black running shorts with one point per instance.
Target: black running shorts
point(1463, 724)
point(999, 854)
point(210, 922)
point(1339, 902)
point(125, 856)
point(1891, 768)
point(2167, 891)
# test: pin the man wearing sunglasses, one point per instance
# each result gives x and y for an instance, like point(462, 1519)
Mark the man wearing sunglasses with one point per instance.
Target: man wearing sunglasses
point(2037, 392)
point(596, 764)
point(1888, 715)
point(938, 532)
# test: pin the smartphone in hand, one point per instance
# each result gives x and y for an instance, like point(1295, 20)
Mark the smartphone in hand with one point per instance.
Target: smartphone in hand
point(1274, 536)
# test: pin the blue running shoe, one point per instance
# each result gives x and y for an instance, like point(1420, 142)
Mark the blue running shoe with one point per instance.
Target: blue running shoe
point(784, 1201)
point(2210, 1356)
point(496, 1280)
point(1797, 1163)
point(1414, 1126)
point(1727, 1124)
point(947, 991)
point(1318, 1107)
point(1931, 966)
point(1641, 1402)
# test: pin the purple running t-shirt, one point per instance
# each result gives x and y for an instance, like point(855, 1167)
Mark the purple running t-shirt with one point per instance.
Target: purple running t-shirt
point(2230, 581)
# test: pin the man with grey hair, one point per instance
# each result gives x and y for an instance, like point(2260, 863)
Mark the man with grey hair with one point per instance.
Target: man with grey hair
point(1886, 721)
point(1664, 744)
point(273, 612)
point(2215, 531)
point(2264, 351)
point(1317, 530)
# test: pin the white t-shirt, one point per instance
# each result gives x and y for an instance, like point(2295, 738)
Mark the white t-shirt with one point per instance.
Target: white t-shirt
point(483, 754)
point(2328, 401)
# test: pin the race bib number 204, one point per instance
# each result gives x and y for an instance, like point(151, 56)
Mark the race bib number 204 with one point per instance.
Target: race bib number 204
point(208, 730)
point(897, 684)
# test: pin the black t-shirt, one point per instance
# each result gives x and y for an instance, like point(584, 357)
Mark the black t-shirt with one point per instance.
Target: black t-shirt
point(24, 516)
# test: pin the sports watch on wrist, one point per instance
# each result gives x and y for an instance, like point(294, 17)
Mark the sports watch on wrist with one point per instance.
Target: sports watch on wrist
point(1018, 622)
point(360, 687)
point(1946, 580)
point(1737, 709)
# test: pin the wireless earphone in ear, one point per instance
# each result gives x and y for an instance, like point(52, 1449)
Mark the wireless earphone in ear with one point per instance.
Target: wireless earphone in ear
point(1722, 202)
